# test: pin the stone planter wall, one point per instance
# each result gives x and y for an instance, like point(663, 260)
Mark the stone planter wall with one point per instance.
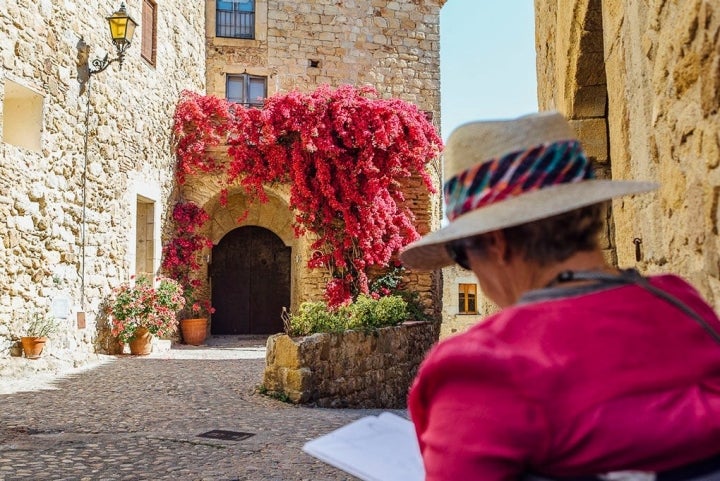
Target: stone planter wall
point(350, 369)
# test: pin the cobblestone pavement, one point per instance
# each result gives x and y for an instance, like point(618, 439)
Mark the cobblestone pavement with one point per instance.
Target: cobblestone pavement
point(138, 418)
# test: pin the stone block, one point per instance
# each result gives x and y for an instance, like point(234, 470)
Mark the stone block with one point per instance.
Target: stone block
point(283, 352)
point(593, 135)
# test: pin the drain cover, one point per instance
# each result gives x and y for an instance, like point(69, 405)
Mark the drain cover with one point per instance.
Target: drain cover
point(225, 435)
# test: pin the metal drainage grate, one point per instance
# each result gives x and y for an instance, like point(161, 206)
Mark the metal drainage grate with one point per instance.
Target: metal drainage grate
point(225, 435)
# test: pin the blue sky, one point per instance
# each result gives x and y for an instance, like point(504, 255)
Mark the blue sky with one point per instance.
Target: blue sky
point(487, 61)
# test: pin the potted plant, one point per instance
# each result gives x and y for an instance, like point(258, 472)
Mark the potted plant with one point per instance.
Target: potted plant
point(39, 328)
point(194, 325)
point(140, 310)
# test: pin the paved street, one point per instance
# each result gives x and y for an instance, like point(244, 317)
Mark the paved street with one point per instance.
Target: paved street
point(138, 418)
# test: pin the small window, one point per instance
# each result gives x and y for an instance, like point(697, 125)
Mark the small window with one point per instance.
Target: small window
point(22, 114)
point(145, 238)
point(249, 90)
point(467, 299)
point(235, 19)
point(149, 31)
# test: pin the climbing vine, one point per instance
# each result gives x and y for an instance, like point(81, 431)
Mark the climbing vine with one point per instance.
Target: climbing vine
point(343, 152)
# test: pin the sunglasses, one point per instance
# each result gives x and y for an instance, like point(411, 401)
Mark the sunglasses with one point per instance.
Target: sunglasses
point(457, 251)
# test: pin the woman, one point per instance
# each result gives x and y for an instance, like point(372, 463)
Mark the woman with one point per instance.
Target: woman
point(585, 370)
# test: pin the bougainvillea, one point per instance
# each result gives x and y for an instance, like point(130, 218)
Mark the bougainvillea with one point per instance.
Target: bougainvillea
point(180, 255)
point(343, 152)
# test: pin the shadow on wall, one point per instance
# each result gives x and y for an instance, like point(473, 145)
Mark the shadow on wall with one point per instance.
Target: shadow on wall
point(104, 342)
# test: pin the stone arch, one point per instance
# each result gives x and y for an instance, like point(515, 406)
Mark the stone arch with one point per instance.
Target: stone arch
point(572, 79)
point(588, 99)
point(274, 215)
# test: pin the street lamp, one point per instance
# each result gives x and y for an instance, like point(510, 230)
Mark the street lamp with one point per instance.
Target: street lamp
point(122, 28)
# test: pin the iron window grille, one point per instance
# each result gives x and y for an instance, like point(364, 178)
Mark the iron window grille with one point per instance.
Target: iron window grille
point(235, 19)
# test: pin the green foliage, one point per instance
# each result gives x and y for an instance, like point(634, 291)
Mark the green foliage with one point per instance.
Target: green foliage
point(369, 313)
point(140, 304)
point(280, 396)
point(365, 313)
point(388, 282)
point(415, 309)
point(40, 325)
point(391, 283)
point(317, 317)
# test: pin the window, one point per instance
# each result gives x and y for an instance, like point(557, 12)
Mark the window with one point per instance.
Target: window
point(246, 89)
point(467, 299)
point(235, 19)
point(145, 237)
point(149, 31)
point(22, 115)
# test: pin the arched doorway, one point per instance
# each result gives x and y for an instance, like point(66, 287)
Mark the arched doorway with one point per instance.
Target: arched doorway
point(250, 274)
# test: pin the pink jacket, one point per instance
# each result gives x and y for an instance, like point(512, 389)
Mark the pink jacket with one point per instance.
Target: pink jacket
point(612, 380)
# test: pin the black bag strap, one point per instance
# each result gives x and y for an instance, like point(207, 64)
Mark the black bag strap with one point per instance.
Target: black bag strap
point(632, 276)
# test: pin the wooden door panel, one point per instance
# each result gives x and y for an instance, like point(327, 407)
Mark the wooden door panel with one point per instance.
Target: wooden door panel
point(250, 282)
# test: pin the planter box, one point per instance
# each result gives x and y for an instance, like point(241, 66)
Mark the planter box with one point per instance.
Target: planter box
point(350, 369)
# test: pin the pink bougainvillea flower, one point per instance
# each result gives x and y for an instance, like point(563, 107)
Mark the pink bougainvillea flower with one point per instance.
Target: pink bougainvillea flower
point(344, 152)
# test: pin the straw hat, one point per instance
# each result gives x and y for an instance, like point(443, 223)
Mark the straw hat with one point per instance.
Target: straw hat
point(508, 172)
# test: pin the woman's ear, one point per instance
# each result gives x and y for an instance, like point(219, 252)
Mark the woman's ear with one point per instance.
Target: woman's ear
point(497, 247)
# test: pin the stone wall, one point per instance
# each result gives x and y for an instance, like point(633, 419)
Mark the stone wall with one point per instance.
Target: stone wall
point(645, 77)
point(68, 224)
point(350, 369)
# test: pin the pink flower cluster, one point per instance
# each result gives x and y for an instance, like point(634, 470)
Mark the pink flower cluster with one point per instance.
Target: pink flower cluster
point(344, 153)
point(180, 254)
point(140, 304)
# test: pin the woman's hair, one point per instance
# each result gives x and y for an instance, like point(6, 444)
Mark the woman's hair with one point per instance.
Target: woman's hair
point(554, 239)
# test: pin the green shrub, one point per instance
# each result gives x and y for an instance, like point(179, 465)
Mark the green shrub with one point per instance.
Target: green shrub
point(415, 309)
point(368, 313)
point(316, 317)
point(364, 313)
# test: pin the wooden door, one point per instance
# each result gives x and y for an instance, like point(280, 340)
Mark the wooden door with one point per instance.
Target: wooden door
point(250, 282)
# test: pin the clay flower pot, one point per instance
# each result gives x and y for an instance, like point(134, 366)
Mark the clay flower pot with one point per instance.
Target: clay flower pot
point(194, 331)
point(141, 342)
point(33, 346)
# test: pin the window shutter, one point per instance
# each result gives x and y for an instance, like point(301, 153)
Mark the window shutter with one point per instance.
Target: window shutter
point(148, 31)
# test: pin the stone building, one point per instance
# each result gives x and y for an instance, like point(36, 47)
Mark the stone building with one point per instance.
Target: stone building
point(641, 82)
point(86, 169)
point(258, 48)
point(86, 165)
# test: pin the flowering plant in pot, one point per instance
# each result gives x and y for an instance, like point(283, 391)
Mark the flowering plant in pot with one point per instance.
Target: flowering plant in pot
point(140, 308)
point(38, 329)
point(193, 324)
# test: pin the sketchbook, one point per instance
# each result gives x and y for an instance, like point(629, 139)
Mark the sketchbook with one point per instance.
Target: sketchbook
point(374, 448)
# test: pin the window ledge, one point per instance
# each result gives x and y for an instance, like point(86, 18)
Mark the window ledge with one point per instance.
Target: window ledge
point(235, 42)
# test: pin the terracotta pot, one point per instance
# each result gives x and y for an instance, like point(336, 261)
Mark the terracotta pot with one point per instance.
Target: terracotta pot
point(141, 342)
point(33, 346)
point(194, 331)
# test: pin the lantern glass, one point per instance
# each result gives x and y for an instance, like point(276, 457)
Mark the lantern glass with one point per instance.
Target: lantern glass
point(122, 26)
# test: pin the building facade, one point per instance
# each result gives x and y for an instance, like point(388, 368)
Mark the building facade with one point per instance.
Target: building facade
point(259, 48)
point(86, 166)
point(641, 82)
